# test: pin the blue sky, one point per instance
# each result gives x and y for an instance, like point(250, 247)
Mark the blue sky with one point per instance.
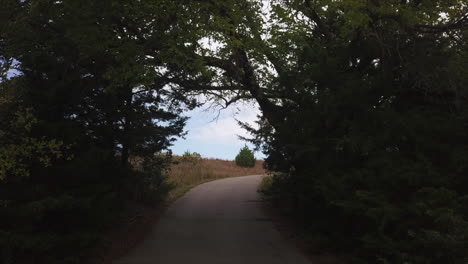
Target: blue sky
point(217, 137)
point(213, 135)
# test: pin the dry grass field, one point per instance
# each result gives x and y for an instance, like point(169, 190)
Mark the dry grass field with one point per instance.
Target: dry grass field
point(186, 174)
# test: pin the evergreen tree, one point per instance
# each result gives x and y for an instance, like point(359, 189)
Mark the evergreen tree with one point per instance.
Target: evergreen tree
point(245, 158)
point(87, 98)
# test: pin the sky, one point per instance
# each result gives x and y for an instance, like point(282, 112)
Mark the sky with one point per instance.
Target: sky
point(212, 132)
point(216, 136)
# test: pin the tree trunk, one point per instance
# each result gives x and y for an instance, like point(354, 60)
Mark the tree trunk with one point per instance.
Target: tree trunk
point(126, 140)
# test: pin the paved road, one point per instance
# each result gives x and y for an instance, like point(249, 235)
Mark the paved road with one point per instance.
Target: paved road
point(219, 222)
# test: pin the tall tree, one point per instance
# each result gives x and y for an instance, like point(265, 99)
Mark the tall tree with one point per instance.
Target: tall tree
point(363, 111)
point(90, 93)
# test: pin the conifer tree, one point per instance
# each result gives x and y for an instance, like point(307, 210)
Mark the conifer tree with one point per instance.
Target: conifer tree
point(245, 158)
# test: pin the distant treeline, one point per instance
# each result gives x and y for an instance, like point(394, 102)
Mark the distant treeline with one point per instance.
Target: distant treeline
point(364, 116)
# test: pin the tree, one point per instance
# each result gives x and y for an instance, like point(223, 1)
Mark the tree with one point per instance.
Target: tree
point(87, 97)
point(245, 158)
point(358, 99)
point(363, 112)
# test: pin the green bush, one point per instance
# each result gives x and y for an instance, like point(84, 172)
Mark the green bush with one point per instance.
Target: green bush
point(245, 158)
point(191, 157)
point(149, 185)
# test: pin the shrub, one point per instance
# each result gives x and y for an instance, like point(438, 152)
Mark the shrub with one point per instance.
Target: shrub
point(149, 185)
point(191, 157)
point(245, 158)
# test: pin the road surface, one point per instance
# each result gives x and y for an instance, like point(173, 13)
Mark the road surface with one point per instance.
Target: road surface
point(219, 222)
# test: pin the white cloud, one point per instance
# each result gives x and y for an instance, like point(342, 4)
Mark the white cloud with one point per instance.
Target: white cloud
point(217, 138)
point(225, 129)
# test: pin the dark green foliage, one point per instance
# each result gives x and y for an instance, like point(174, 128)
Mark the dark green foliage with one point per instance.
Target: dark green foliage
point(245, 158)
point(363, 103)
point(86, 100)
point(149, 184)
point(371, 139)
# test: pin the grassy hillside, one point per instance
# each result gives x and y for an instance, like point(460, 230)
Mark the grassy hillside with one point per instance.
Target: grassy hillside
point(189, 172)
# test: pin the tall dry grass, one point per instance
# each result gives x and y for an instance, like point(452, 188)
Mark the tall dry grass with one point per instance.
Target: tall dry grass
point(186, 174)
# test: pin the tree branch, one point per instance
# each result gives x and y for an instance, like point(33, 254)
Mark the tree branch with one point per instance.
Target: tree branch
point(310, 12)
point(461, 23)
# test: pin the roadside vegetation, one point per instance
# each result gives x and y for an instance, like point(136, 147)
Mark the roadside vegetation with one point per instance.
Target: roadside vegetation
point(363, 106)
point(369, 140)
point(77, 99)
point(190, 170)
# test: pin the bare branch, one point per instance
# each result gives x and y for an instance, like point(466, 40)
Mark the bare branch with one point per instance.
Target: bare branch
point(461, 23)
point(310, 12)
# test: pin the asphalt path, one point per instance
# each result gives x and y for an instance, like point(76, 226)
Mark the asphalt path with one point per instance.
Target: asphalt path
point(219, 222)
